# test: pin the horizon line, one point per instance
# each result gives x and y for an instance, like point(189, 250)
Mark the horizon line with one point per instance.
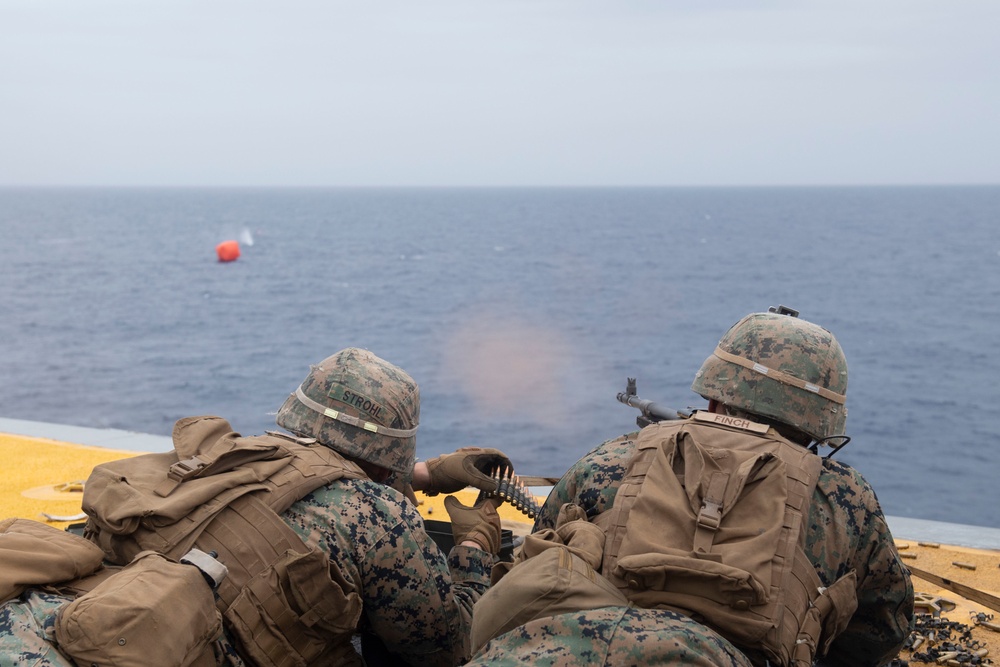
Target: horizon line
point(108, 186)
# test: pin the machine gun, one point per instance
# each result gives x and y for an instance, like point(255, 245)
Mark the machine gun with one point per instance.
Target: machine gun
point(651, 412)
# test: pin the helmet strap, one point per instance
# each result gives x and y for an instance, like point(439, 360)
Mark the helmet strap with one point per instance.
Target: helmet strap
point(353, 421)
point(780, 376)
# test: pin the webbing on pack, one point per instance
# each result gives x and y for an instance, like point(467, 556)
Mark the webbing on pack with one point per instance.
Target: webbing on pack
point(710, 514)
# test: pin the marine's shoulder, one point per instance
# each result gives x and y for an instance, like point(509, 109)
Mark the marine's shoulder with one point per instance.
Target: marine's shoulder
point(844, 486)
point(352, 515)
point(613, 450)
point(607, 459)
point(350, 497)
point(840, 473)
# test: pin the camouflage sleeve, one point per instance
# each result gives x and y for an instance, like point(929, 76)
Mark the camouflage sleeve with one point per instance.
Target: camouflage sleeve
point(591, 482)
point(848, 532)
point(27, 634)
point(417, 601)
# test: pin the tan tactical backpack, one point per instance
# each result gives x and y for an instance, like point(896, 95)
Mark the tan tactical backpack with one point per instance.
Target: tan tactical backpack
point(709, 521)
point(283, 599)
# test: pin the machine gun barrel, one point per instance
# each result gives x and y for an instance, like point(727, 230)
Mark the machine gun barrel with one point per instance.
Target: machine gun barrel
point(651, 412)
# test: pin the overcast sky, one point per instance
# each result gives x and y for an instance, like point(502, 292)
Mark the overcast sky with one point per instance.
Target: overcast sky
point(512, 92)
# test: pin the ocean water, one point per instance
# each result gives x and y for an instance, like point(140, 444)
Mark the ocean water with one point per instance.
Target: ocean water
point(519, 311)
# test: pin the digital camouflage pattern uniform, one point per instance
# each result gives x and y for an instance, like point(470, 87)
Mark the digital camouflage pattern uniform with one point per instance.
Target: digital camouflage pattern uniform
point(613, 637)
point(845, 530)
point(793, 374)
point(27, 626)
point(416, 600)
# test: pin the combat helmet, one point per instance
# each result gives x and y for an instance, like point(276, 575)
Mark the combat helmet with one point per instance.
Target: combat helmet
point(359, 405)
point(781, 367)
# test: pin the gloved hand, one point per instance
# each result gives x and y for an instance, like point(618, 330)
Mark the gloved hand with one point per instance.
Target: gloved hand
point(465, 467)
point(479, 523)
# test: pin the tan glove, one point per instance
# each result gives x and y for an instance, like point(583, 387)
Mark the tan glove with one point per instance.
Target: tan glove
point(479, 523)
point(467, 466)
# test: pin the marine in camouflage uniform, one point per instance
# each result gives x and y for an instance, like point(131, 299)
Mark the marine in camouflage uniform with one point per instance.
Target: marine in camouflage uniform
point(845, 528)
point(417, 601)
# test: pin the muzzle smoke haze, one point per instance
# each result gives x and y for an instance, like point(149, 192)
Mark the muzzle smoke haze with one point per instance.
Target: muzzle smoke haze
point(510, 369)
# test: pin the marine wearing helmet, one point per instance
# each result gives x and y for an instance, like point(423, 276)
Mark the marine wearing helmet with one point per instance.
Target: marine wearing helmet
point(769, 368)
point(782, 370)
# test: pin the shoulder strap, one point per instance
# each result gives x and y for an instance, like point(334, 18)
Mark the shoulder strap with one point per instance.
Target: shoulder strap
point(615, 520)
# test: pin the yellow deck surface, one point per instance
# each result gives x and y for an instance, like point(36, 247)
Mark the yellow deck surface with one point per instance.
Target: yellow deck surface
point(35, 470)
point(45, 476)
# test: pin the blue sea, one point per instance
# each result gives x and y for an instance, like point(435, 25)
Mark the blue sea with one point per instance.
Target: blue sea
point(520, 312)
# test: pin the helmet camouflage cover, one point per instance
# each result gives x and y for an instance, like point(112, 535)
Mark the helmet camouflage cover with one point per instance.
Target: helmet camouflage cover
point(360, 405)
point(782, 367)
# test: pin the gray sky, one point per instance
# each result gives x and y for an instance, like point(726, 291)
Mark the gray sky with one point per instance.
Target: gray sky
point(480, 92)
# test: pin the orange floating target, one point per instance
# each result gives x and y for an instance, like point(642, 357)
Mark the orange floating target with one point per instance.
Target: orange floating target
point(228, 251)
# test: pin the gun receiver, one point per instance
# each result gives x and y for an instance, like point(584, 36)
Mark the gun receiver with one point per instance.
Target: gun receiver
point(651, 412)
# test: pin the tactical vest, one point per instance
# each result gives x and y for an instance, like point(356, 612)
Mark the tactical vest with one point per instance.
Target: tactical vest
point(283, 600)
point(709, 521)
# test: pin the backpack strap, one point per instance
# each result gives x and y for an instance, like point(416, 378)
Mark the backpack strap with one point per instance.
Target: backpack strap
point(614, 521)
point(710, 514)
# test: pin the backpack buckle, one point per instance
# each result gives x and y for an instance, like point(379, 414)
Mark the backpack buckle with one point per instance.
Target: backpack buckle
point(186, 469)
point(710, 515)
point(179, 472)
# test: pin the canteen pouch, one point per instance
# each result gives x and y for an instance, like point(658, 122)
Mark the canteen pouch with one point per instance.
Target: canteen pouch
point(154, 611)
point(286, 614)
